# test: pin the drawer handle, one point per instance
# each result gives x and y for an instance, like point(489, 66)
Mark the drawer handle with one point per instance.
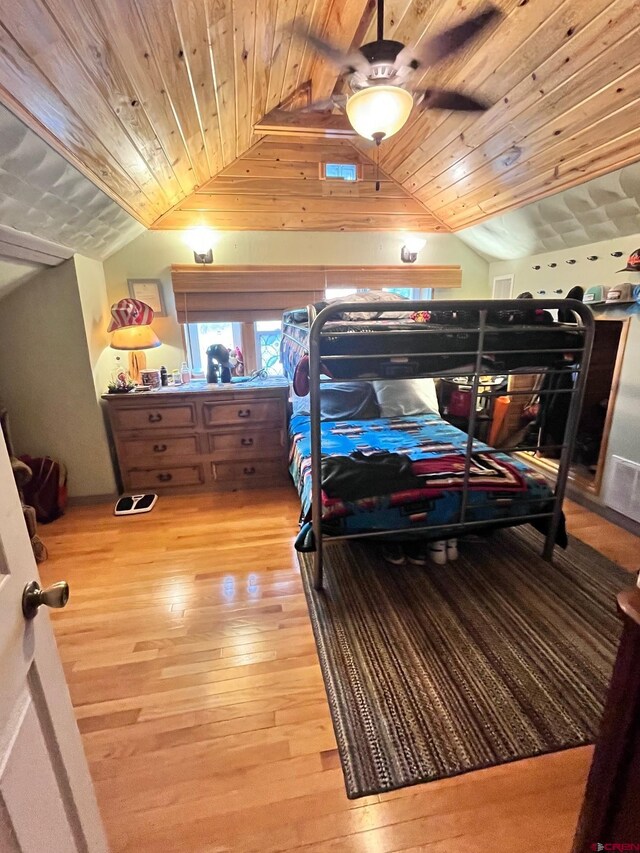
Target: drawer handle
point(246, 442)
point(165, 477)
point(155, 418)
point(244, 413)
point(249, 470)
point(159, 448)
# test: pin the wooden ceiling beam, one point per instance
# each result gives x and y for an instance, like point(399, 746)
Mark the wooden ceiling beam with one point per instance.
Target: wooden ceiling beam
point(311, 124)
point(290, 221)
point(300, 189)
point(341, 25)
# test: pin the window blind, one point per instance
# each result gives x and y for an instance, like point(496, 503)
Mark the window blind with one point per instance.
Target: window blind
point(241, 294)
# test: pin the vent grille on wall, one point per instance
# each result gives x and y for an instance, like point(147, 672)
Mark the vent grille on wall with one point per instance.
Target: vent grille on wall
point(623, 490)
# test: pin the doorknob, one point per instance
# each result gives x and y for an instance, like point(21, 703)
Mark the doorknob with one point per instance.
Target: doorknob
point(33, 597)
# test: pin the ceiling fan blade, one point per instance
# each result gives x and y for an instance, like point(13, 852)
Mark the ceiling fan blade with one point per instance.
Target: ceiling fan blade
point(348, 62)
point(447, 43)
point(441, 99)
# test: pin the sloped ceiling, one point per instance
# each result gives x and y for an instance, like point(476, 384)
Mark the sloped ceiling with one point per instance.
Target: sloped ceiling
point(43, 195)
point(600, 209)
point(277, 186)
point(153, 100)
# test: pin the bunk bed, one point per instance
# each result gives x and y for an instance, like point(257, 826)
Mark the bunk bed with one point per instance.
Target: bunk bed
point(455, 484)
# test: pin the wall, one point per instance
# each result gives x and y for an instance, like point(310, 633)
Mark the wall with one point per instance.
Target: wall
point(624, 439)
point(151, 254)
point(46, 379)
point(95, 313)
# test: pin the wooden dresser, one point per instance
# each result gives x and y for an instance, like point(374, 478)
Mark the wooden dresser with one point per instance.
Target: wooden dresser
point(201, 437)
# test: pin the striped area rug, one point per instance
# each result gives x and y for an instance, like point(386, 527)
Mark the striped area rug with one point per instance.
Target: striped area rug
point(438, 670)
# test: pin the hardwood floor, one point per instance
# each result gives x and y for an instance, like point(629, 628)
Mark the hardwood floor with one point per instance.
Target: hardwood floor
point(194, 676)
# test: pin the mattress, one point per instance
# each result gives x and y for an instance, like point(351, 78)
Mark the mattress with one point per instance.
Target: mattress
point(506, 489)
point(404, 348)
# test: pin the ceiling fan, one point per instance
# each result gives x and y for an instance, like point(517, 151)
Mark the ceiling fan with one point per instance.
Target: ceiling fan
point(381, 98)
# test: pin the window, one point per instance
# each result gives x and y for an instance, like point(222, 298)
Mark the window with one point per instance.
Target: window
point(267, 334)
point(340, 172)
point(268, 337)
point(203, 335)
point(267, 343)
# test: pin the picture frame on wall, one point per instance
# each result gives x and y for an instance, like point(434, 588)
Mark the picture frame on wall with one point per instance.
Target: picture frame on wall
point(148, 290)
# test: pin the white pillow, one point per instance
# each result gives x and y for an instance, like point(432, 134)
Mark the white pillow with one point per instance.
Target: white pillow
point(397, 397)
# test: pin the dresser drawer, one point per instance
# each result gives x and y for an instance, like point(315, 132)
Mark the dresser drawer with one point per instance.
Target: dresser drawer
point(156, 417)
point(239, 472)
point(184, 475)
point(253, 411)
point(245, 443)
point(156, 450)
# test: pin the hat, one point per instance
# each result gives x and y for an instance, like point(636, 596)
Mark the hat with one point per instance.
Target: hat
point(623, 293)
point(595, 295)
point(130, 312)
point(633, 262)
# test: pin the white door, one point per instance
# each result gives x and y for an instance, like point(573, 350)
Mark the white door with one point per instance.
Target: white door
point(502, 287)
point(47, 801)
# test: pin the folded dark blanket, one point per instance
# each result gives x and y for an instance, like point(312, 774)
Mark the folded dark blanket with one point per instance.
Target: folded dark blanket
point(361, 475)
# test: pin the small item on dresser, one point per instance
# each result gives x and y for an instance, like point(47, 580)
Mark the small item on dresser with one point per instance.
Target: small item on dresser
point(177, 380)
point(239, 370)
point(212, 372)
point(164, 376)
point(120, 382)
point(185, 373)
point(150, 377)
point(220, 353)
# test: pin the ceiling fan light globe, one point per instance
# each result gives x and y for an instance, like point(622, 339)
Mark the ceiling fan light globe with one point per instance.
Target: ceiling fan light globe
point(379, 110)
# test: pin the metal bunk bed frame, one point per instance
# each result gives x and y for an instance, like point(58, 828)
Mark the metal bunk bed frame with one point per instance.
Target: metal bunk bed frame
point(317, 326)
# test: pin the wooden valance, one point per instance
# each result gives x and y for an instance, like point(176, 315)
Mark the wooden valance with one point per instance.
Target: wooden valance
point(246, 293)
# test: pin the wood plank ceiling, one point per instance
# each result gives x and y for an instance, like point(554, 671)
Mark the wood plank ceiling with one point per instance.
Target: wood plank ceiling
point(153, 100)
point(276, 185)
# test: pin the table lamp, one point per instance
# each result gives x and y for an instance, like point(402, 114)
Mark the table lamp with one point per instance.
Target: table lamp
point(131, 326)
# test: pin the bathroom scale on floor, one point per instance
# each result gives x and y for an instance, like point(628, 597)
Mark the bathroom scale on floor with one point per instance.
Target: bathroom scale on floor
point(135, 504)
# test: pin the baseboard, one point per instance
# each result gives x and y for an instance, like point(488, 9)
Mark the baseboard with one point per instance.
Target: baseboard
point(590, 503)
point(89, 500)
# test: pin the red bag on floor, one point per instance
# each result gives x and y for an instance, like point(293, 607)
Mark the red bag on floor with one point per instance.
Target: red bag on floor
point(46, 492)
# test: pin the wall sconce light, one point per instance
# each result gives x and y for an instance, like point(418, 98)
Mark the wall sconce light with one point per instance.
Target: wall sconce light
point(409, 252)
point(201, 240)
point(592, 258)
point(617, 254)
